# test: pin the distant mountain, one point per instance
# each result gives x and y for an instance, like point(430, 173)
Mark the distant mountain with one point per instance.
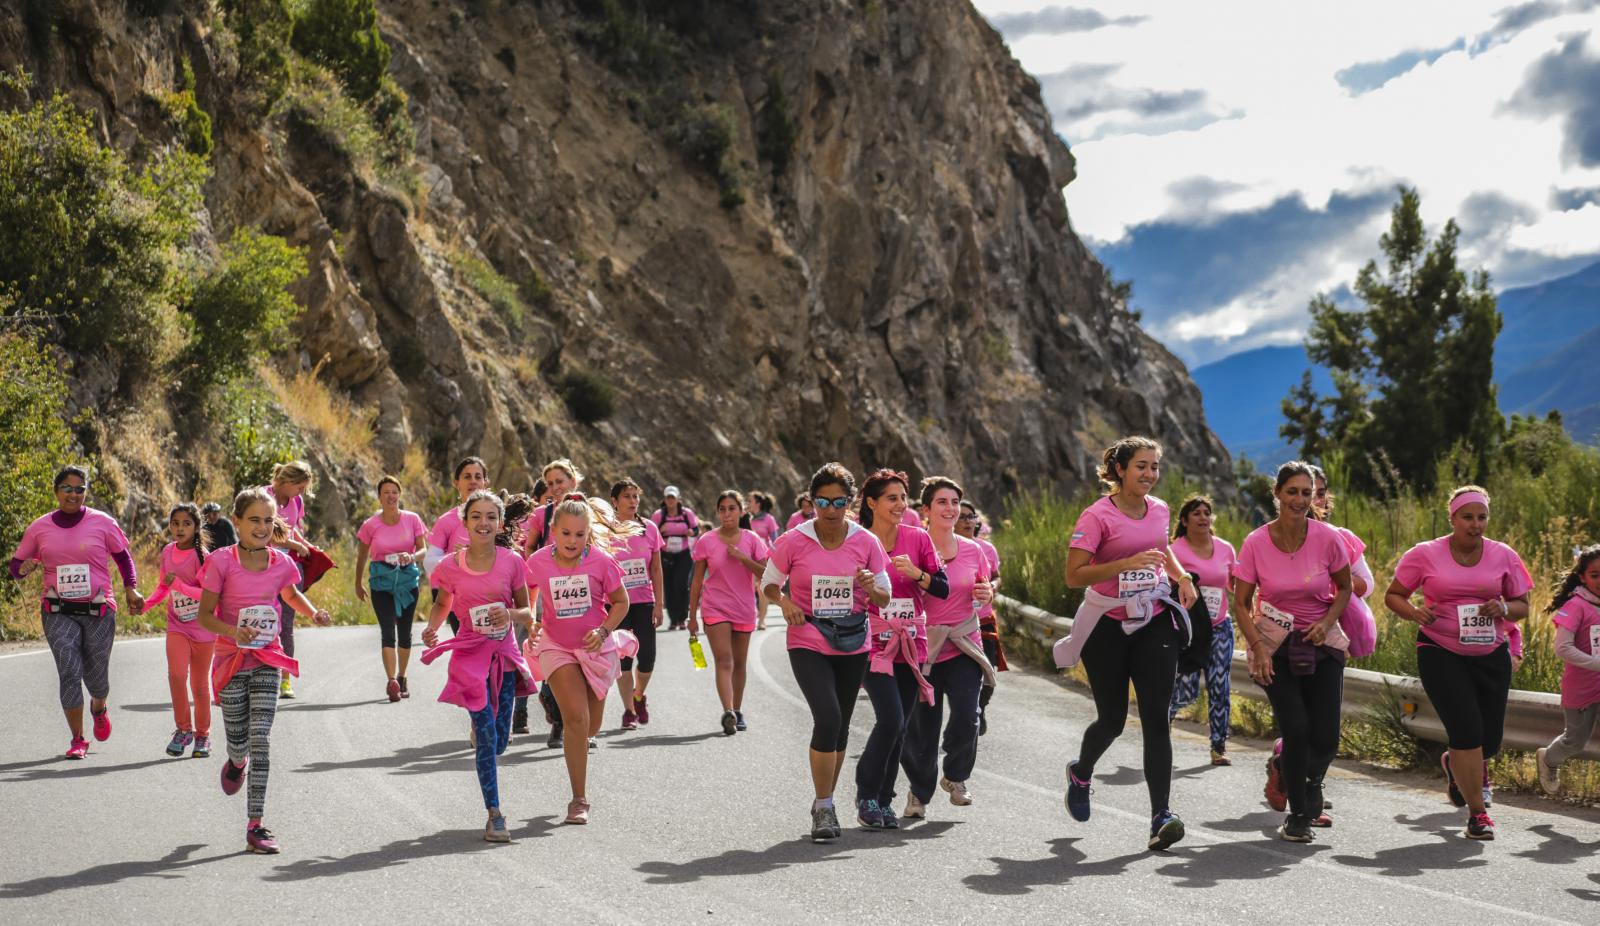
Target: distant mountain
point(1243, 395)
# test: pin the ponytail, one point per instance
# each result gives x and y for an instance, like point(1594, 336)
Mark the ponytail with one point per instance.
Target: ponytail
point(1568, 586)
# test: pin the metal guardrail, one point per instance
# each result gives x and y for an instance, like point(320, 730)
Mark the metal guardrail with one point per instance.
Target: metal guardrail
point(1533, 718)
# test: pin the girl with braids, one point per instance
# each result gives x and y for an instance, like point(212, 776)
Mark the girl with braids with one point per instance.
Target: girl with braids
point(1208, 556)
point(727, 563)
point(1131, 626)
point(189, 645)
point(392, 541)
point(640, 559)
point(483, 584)
point(1576, 606)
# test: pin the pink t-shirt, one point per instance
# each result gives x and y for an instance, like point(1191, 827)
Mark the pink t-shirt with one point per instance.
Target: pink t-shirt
point(964, 570)
point(677, 530)
point(729, 592)
point(472, 593)
point(1110, 535)
point(183, 611)
point(906, 596)
point(634, 561)
point(1213, 573)
point(74, 558)
point(993, 556)
point(1299, 584)
point(822, 582)
point(386, 539)
point(574, 601)
point(1579, 687)
point(448, 533)
point(1454, 592)
point(252, 595)
point(766, 527)
point(292, 513)
point(795, 520)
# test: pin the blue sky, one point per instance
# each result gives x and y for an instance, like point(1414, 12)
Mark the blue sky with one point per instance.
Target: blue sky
point(1235, 158)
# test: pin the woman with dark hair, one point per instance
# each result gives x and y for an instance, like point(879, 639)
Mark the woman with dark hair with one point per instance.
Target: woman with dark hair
point(678, 526)
point(642, 575)
point(1203, 553)
point(1575, 605)
point(727, 563)
point(803, 511)
point(759, 506)
point(833, 567)
point(971, 526)
point(393, 541)
point(189, 645)
point(289, 488)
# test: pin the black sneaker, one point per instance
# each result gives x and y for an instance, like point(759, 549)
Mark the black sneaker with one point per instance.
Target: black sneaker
point(1165, 829)
point(1295, 828)
point(730, 723)
point(738, 723)
point(554, 742)
point(1317, 817)
point(824, 824)
point(519, 720)
point(1479, 826)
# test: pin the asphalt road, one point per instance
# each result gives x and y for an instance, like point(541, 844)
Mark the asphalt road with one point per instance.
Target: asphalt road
point(378, 812)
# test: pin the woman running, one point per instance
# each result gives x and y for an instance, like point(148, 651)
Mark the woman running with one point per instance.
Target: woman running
point(759, 506)
point(559, 479)
point(803, 511)
point(448, 534)
point(243, 588)
point(727, 563)
point(833, 567)
point(290, 486)
point(79, 607)
point(1130, 627)
point(388, 547)
point(1208, 556)
point(485, 583)
point(640, 559)
point(582, 600)
point(899, 642)
point(679, 527)
point(1357, 623)
point(972, 526)
point(1301, 569)
point(190, 647)
point(1576, 606)
point(1471, 586)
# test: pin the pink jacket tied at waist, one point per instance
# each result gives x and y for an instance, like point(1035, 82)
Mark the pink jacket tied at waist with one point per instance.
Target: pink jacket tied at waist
point(959, 636)
point(1140, 609)
point(901, 644)
point(602, 667)
point(229, 657)
point(474, 660)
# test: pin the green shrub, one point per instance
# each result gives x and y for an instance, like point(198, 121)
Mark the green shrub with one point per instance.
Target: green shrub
point(263, 28)
point(705, 132)
point(378, 139)
point(343, 36)
point(241, 310)
point(194, 123)
point(589, 396)
point(629, 42)
point(776, 129)
point(34, 440)
point(397, 136)
point(256, 434)
point(496, 289)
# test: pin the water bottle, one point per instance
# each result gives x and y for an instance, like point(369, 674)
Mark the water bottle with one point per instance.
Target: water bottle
point(697, 652)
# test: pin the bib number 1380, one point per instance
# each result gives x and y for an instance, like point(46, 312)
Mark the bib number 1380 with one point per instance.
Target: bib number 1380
point(1477, 628)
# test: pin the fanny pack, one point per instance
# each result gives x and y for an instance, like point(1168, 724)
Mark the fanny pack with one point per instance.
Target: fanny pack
point(845, 634)
point(75, 608)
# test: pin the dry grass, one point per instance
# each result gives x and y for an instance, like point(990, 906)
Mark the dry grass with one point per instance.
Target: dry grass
point(324, 417)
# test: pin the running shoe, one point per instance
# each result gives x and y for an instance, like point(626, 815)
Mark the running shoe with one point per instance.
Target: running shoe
point(393, 690)
point(406, 693)
point(824, 824)
point(957, 791)
point(630, 720)
point(1218, 757)
point(202, 746)
point(577, 812)
point(79, 748)
point(739, 723)
point(1273, 791)
point(869, 814)
point(1456, 797)
point(554, 742)
point(1078, 792)
point(259, 839)
point(519, 720)
point(890, 821)
point(232, 776)
point(1479, 826)
point(102, 724)
point(1314, 802)
point(730, 723)
point(915, 809)
point(641, 709)
point(1549, 776)
point(1165, 829)
point(1295, 828)
point(180, 741)
point(286, 688)
point(495, 830)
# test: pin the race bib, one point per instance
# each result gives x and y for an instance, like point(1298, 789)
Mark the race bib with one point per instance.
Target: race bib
point(570, 596)
point(184, 608)
point(1477, 628)
point(73, 581)
point(1594, 639)
point(482, 624)
point(831, 596)
point(1134, 581)
point(263, 619)
point(1213, 598)
point(635, 573)
point(674, 544)
point(1274, 625)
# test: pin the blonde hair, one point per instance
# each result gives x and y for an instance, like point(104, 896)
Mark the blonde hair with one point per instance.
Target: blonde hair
point(566, 466)
point(251, 497)
point(293, 472)
point(605, 531)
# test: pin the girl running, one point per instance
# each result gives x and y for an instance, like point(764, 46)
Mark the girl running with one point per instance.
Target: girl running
point(1131, 626)
point(833, 567)
point(1576, 606)
point(899, 642)
point(727, 563)
point(243, 588)
point(679, 526)
point(640, 559)
point(79, 607)
point(582, 600)
point(1208, 556)
point(485, 583)
point(1301, 568)
point(759, 506)
point(559, 479)
point(1471, 586)
point(290, 486)
point(389, 545)
point(190, 647)
point(803, 511)
point(971, 525)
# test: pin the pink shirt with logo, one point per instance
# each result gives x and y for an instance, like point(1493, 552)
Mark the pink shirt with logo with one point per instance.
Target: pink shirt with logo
point(79, 553)
point(574, 601)
point(1580, 687)
point(800, 556)
point(1109, 535)
point(183, 603)
point(634, 561)
point(448, 533)
point(1448, 587)
point(385, 539)
point(1213, 573)
point(238, 588)
point(993, 556)
point(916, 544)
point(470, 590)
point(966, 569)
point(1299, 584)
point(729, 592)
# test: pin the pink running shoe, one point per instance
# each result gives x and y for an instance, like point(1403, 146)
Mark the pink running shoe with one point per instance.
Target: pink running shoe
point(102, 725)
point(1276, 797)
point(641, 709)
point(79, 748)
point(259, 839)
point(232, 776)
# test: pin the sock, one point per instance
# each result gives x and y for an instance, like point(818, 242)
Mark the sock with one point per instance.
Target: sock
point(254, 822)
point(821, 803)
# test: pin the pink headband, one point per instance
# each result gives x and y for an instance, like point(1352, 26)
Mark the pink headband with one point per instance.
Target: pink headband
point(1467, 498)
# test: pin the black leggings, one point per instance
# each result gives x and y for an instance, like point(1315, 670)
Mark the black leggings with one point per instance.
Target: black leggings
point(395, 627)
point(641, 621)
point(677, 572)
point(1306, 708)
point(830, 685)
point(1149, 658)
point(1468, 693)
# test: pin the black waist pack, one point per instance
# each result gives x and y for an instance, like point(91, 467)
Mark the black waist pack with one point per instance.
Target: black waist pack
point(845, 634)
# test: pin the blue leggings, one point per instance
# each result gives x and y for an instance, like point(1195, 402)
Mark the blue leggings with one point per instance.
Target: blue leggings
point(1218, 693)
point(493, 728)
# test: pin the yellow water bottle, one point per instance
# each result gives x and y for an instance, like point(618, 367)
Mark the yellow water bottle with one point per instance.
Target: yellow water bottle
point(697, 652)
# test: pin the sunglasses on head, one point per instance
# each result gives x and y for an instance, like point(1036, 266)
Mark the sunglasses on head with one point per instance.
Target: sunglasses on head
point(573, 497)
point(72, 490)
point(841, 502)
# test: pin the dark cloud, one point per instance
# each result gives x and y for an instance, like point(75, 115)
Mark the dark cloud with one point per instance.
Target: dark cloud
point(1053, 20)
point(1487, 213)
point(1086, 90)
point(1514, 19)
point(1567, 83)
point(1577, 198)
point(1370, 75)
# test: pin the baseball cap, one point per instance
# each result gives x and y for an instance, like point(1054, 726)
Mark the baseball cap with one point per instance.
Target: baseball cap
point(671, 492)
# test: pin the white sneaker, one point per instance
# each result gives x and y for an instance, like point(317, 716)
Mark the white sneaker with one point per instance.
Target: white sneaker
point(1549, 778)
point(915, 809)
point(957, 791)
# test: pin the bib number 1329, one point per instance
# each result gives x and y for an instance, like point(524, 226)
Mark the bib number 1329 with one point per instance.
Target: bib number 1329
point(1134, 581)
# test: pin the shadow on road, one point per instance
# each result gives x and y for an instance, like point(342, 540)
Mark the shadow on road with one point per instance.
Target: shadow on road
point(1558, 848)
point(169, 866)
point(1586, 893)
point(76, 769)
point(1452, 851)
point(451, 755)
point(662, 739)
point(1065, 863)
point(434, 845)
point(1208, 866)
point(1264, 822)
point(737, 862)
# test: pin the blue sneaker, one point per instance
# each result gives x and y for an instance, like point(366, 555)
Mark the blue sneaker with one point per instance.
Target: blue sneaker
point(890, 821)
point(869, 814)
point(1078, 792)
point(1165, 829)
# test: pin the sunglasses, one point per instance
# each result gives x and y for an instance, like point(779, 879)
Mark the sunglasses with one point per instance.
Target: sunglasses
point(968, 517)
point(831, 502)
point(72, 490)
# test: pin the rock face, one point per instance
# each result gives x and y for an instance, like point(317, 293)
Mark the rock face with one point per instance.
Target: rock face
point(907, 292)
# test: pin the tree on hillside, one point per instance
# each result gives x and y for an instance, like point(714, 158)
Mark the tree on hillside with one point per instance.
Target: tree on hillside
point(1412, 367)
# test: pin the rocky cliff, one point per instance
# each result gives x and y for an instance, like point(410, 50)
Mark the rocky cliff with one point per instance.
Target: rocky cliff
point(899, 284)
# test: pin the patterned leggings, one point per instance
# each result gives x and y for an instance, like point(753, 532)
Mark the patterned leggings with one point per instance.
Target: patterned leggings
point(493, 728)
point(1218, 701)
point(81, 645)
point(249, 704)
